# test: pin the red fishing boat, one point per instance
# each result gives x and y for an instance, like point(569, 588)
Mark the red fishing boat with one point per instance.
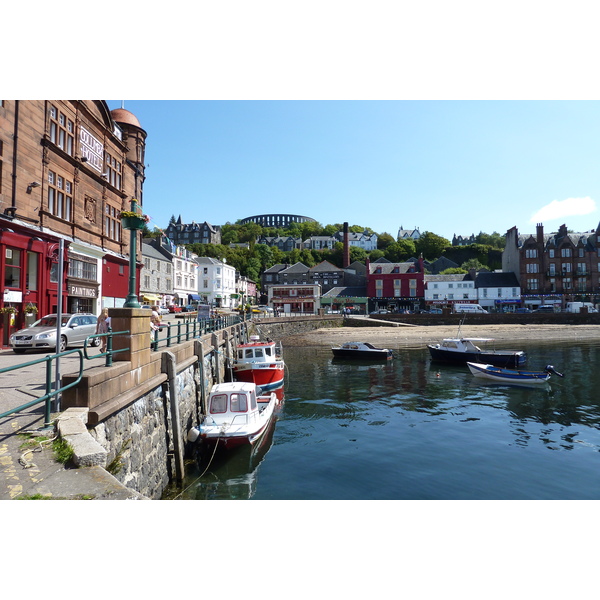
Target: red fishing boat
point(260, 362)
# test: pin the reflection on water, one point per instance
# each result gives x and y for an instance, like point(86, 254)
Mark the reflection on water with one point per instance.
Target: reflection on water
point(410, 429)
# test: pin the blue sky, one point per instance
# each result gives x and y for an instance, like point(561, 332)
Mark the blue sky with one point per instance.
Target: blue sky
point(446, 166)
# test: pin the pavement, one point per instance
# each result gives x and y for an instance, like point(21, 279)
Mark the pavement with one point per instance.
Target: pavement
point(28, 467)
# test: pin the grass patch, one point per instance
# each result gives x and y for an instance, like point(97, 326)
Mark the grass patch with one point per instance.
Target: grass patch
point(63, 452)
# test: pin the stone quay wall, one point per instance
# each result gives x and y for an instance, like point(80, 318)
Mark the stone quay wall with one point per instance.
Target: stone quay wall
point(137, 412)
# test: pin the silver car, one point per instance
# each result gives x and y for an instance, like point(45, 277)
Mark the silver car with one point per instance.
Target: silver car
point(42, 334)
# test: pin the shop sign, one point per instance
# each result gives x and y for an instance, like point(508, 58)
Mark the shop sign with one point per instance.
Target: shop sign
point(82, 291)
point(13, 296)
point(91, 149)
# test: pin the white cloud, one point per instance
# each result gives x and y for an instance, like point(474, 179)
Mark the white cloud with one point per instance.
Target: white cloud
point(558, 209)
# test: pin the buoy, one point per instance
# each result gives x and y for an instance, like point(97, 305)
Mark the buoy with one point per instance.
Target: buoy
point(193, 434)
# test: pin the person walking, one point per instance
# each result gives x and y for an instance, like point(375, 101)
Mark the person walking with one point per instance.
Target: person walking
point(102, 326)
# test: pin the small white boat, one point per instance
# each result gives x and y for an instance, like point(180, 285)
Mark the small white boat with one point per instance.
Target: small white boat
point(362, 351)
point(238, 414)
point(512, 375)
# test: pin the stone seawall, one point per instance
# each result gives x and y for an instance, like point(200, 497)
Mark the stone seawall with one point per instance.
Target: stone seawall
point(140, 425)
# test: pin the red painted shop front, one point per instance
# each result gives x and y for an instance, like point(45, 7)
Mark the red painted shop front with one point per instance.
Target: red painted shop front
point(29, 274)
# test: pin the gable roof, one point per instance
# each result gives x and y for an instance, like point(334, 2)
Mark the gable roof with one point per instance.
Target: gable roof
point(508, 279)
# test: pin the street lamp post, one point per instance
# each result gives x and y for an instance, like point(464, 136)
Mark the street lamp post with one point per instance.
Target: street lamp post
point(132, 300)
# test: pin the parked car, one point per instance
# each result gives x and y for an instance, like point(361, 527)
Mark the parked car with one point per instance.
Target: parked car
point(74, 329)
point(163, 310)
point(436, 311)
point(264, 308)
point(189, 308)
point(174, 308)
point(522, 309)
point(146, 306)
point(381, 311)
point(545, 308)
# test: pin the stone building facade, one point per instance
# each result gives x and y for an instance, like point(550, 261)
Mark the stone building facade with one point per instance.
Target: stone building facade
point(554, 268)
point(67, 170)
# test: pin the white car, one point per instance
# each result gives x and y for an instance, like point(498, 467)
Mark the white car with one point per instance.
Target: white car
point(74, 329)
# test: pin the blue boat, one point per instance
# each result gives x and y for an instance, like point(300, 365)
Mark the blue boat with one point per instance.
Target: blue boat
point(511, 375)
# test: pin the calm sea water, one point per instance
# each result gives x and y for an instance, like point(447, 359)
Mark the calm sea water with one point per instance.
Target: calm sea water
point(411, 429)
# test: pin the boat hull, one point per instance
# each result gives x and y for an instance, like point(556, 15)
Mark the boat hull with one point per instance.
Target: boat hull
point(267, 378)
point(362, 354)
point(508, 375)
point(498, 359)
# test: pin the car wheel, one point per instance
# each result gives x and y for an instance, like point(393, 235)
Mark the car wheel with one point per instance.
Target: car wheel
point(63, 344)
point(95, 342)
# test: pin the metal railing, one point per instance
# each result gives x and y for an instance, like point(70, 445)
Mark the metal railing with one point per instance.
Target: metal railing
point(190, 329)
point(177, 333)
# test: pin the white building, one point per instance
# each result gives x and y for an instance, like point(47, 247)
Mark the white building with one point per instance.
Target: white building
point(216, 283)
point(445, 290)
point(185, 277)
point(498, 292)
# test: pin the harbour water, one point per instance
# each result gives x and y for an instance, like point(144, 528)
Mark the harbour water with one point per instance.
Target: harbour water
point(409, 429)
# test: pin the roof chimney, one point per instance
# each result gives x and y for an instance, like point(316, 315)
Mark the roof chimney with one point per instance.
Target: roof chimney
point(346, 257)
point(540, 233)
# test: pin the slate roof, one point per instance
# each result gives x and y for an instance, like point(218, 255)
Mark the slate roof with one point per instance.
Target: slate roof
point(498, 280)
point(346, 292)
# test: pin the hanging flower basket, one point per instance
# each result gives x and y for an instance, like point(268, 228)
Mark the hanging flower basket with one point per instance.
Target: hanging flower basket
point(31, 309)
point(132, 220)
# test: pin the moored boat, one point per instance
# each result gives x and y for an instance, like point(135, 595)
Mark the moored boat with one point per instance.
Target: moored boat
point(362, 351)
point(512, 375)
point(260, 362)
point(461, 350)
point(237, 414)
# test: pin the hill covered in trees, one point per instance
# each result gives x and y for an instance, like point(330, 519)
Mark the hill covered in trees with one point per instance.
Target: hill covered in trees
point(252, 259)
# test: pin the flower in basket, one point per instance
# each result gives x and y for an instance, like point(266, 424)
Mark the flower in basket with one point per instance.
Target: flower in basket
point(31, 308)
point(8, 310)
point(131, 214)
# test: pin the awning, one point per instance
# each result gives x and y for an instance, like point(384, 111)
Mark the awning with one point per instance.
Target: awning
point(193, 297)
point(150, 297)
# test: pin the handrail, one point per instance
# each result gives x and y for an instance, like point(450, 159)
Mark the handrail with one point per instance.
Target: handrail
point(49, 395)
point(185, 331)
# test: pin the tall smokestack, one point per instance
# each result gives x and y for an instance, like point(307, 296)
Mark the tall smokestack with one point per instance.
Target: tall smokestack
point(346, 258)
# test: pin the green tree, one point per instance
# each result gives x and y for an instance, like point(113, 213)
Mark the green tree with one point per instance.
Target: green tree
point(400, 251)
point(431, 246)
point(384, 240)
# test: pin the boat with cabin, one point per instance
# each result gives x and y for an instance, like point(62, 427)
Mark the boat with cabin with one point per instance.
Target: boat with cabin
point(362, 351)
point(260, 362)
point(237, 414)
point(461, 350)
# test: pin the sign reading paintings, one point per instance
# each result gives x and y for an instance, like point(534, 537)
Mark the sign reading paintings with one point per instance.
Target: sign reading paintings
point(91, 149)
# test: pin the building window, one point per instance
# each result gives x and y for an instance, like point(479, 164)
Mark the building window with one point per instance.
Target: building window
point(532, 268)
point(551, 252)
point(567, 283)
point(12, 268)
point(62, 130)
point(532, 284)
point(531, 253)
point(112, 170)
point(565, 252)
point(82, 269)
point(60, 196)
point(112, 224)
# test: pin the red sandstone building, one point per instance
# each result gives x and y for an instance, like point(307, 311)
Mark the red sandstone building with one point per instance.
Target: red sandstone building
point(396, 286)
point(67, 170)
point(554, 268)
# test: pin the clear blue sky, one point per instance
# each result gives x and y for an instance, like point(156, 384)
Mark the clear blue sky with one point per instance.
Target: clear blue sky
point(441, 166)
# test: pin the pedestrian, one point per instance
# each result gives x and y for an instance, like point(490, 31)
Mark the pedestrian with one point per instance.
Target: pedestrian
point(102, 326)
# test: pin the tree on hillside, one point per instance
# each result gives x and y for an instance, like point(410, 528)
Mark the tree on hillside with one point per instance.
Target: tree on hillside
point(400, 251)
point(431, 246)
point(384, 240)
point(472, 263)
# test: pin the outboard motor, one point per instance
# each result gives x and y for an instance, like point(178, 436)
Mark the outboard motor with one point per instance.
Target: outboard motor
point(551, 369)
